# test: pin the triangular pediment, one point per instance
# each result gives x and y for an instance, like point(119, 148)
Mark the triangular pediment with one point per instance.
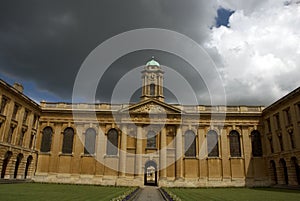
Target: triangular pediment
point(152, 106)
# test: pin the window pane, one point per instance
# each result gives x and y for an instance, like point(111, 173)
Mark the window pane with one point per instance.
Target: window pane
point(152, 89)
point(151, 139)
point(112, 142)
point(3, 105)
point(256, 143)
point(235, 148)
point(68, 141)
point(25, 117)
point(10, 134)
point(190, 144)
point(46, 139)
point(20, 143)
point(15, 111)
point(90, 139)
point(31, 141)
point(212, 144)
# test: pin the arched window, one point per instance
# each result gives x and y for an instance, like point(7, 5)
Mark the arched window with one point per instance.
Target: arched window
point(68, 141)
point(151, 139)
point(256, 143)
point(190, 144)
point(152, 89)
point(235, 146)
point(112, 142)
point(90, 139)
point(46, 139)
point(212, 144)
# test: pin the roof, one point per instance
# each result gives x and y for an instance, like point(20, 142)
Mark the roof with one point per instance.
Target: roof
point(152, 62)
point(282, 100)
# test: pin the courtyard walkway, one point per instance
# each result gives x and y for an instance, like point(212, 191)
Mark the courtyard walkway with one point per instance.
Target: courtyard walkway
point(149, 193)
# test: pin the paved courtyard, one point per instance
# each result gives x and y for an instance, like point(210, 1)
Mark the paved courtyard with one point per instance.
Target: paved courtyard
point(149, 193)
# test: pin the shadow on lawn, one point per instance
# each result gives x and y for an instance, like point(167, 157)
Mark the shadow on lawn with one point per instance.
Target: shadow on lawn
point(276, 189)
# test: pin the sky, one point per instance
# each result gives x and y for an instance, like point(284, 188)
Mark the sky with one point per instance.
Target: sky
point(255, 45)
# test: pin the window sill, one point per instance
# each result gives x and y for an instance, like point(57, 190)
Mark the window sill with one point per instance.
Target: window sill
point(24, 128)
point(191, 157)
point(14, 123)
point(45, 153)
point(66, 154)
point(150, 148)
point(236, 157)
point(111, 156)
point(213, 157)
point(2, 118)
point(87, 155)
point(257, 156)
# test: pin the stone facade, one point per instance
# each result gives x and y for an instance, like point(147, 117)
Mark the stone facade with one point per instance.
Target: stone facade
point(19, 117)
point(150, 142)
point(282, 139)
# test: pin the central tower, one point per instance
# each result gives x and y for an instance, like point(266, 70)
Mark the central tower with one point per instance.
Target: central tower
point(152, 77)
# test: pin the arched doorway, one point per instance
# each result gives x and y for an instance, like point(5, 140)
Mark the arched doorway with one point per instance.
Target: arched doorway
point(29, 160)
point(5, 163)
point(273, 172)
point(19, 159)
point(297, 169)
point(150, 174)
point(284, 171)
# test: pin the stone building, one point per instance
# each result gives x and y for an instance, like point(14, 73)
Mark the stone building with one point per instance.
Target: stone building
point(150, 142)
point(19, 117)
point(282, 139)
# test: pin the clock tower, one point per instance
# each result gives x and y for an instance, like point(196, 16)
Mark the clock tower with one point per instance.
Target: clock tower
point(152, 77)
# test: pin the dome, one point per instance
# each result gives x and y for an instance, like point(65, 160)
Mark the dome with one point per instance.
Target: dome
point(152, 62)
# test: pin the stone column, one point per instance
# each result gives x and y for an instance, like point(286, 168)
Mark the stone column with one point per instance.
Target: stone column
point(139, 150)
point(159, 86)
point(123, 154)
point(179, 154)
point(163, 153)
point(203, 162)
point(225, 153)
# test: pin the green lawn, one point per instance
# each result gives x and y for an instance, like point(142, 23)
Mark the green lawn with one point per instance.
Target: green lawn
point(58, 192)
point(235, 194)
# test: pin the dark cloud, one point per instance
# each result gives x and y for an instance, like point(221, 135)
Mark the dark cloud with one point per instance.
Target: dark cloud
point(46, 41)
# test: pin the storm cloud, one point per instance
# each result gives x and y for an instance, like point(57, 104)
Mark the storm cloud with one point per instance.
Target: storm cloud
point(45, 43)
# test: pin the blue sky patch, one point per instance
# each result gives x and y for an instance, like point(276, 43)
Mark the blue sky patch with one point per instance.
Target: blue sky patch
point(223, 16)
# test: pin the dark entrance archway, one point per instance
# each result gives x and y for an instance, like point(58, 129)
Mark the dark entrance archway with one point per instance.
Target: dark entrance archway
point(284, 170)
point(150, 173)
point(297, 169)
point(29, 160)
point(273, 172)
point(5, 162)
point(19, 159)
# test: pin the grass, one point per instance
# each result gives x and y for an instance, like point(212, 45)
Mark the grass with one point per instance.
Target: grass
point(235, 194)
point(58, 192)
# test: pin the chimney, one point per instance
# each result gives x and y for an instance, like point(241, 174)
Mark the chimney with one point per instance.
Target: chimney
point(18, 87)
